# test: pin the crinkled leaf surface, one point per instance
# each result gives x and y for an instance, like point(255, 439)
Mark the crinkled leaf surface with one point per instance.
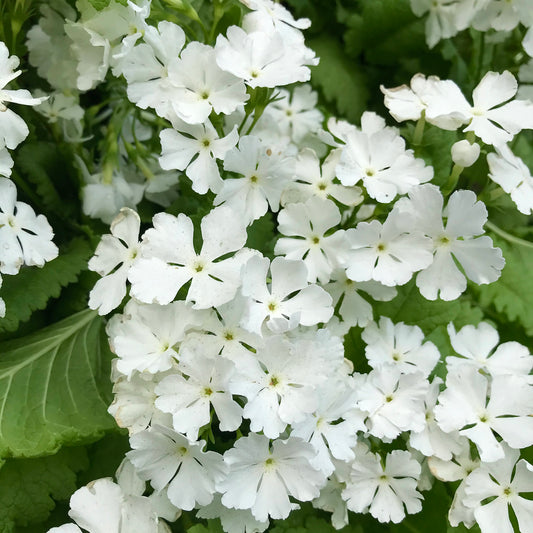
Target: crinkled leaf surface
point(55, 387)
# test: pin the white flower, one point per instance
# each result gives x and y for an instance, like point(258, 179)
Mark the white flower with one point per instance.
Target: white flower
point(504, 481)
point(112, 259)
point(169, 460)
point(196, 153)
point(310, 305)
point(386, 490)
point(464, 406)
point(464, 153)
point(460, 240)
point(306, 226)
point(399, 345)
point(513, 176)
point(261, 478)
point(170, 260)
point(477, 346)
point(26, 238)
point(2, 303)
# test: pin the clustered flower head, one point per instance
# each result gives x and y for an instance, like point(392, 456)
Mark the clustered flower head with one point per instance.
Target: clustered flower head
point(218, 337)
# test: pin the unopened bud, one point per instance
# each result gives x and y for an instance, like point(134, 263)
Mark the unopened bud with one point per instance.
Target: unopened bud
point(465, 154)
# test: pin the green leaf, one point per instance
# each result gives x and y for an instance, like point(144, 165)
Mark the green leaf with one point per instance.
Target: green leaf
point(28, 487)
point(32, 288)
point(339, 78)
point(102, 4)
point(261, 235)
point(55, 387)
point(511, 294)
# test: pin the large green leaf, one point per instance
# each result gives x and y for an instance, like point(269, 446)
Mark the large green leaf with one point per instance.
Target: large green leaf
point(55, 387)
point(28, 487)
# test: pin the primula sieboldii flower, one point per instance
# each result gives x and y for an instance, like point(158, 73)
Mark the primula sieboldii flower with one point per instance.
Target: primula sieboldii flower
point(354, 308)
point(169, 259)
point(26, 237)
point(105, 507)
point(13, 130)
point(261, 476)
point(494, 117)
point(506, 482)
point(170, 461)
point(389, 253)
point(332, 427)
point(145, 338)
point(268, 15)
point(468, 405)
point(295, 113)
point(305, 226)
point(399, 345)
point(2, 303)
point(112, 259)
point(432, 441)
point(477, 346)
point(503, 15)
point(314, 180)
point(203, 384)
point(460, 240)
point(513, 176)
point(385, 490)
point(280, 385)
point(309, 305)
point(265, 175)
point(376, 155)
point(394, 402)
point(261, 59)
point(196, 153)
point(205, 87)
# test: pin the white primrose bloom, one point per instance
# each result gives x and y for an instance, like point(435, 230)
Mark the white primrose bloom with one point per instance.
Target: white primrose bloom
point(26, 237)
point(281, 385)
point(170, 461)
point(6, 162)
point(389, 253)
point(262, 476)
point(504, 481)
point(331, 500)
point(133, 404)
point(308, 305)
point(169, 259)
point(146, 69)
point(491, 119)
point(112, 259)
point(399, 345)
point(232, 520)
point(203, 383)
point(295, 113)
point(460, 240)
point(204, 86)
point(265, 173)
point(314, 180)
point(445, 18)
point(513, 176)
point(13, 130)
point(146, 338)
point(305, 226)
point(2, 303)
point(354, 309)
point(332, 427)
point(105, 507)
point(432, 441)
point(376, 155)
point(457, 468)
point(503, 15)
point(196, 153)
point(476, 346)
point(385, 490)
point(262, 59)
point(394, 402)
point(468, 405)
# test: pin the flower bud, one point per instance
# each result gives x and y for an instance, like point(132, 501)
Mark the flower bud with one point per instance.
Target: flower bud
point(465, 154)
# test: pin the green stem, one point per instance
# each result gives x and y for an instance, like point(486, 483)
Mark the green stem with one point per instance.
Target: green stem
point(452, 180)
point(419, 129)
point(507, 236)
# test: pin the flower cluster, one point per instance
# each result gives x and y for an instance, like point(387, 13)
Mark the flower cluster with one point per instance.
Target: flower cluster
point(230, 372)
